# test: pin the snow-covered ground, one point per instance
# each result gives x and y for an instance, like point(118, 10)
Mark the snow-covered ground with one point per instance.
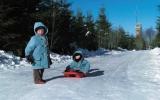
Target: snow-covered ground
point(129, 75)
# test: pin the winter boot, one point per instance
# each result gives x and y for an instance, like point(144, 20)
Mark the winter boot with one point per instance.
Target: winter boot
point(40, 82)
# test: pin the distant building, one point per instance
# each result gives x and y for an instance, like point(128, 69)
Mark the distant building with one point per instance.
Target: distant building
point(139, 40)
point(138, 30)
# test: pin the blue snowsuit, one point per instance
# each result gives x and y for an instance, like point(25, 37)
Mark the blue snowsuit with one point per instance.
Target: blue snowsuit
point(83, 65)
point(37, 47)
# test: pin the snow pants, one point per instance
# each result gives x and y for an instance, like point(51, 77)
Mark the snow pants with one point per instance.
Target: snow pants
point(38, 74)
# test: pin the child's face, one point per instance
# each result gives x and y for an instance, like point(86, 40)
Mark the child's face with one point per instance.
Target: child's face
point(40, 32)
point(77, 57)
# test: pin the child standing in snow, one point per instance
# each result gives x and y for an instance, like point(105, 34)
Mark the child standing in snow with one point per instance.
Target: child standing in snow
point(79, 64)
point(37, 52)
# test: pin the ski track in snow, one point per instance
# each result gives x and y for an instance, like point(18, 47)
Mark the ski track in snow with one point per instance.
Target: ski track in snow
point(130, 75)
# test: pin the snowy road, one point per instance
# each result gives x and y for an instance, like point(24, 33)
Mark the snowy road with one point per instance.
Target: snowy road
point(126, 76)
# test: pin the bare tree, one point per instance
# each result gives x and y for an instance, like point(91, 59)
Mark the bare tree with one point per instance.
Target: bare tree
point(149, 36)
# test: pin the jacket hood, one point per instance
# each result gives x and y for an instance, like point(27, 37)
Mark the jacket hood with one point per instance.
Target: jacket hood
point(40, 24)
point(78, 52)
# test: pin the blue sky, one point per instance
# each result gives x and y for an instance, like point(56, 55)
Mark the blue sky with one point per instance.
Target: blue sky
point(122, 12)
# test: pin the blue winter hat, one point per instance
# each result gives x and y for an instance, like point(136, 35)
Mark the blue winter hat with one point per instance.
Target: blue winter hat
point(40, 25)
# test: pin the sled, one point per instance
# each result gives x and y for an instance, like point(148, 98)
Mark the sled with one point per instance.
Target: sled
point(72, 74)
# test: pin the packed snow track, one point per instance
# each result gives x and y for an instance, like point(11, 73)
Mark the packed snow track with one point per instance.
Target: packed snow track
point(130, 75)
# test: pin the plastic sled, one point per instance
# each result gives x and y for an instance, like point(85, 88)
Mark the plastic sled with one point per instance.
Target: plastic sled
point(72, 74)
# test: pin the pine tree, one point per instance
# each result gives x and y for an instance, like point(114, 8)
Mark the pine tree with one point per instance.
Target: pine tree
point(90, 33)
point(58, 17)
point(103, 29)
point(123, 38)
point(16, 23)
point(139, 43)
point(79, 29)
point(157, 39)
point(131, 41)
point(158, 21)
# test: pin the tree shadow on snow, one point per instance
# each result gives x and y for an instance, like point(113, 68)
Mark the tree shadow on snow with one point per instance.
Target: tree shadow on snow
point(95, 73)
point(53, 78)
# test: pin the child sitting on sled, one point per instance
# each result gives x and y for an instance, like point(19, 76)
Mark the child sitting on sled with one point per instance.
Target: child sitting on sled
point(79, 64)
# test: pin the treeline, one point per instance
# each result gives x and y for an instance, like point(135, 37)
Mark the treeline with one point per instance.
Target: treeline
point(153, 36)
point(67, 31)
point(156, 41)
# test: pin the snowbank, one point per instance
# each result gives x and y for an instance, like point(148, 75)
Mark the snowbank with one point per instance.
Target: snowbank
point(59, 58)
point(156, 61)
point(156, 50)
point(100, 51)
point(8, 61)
